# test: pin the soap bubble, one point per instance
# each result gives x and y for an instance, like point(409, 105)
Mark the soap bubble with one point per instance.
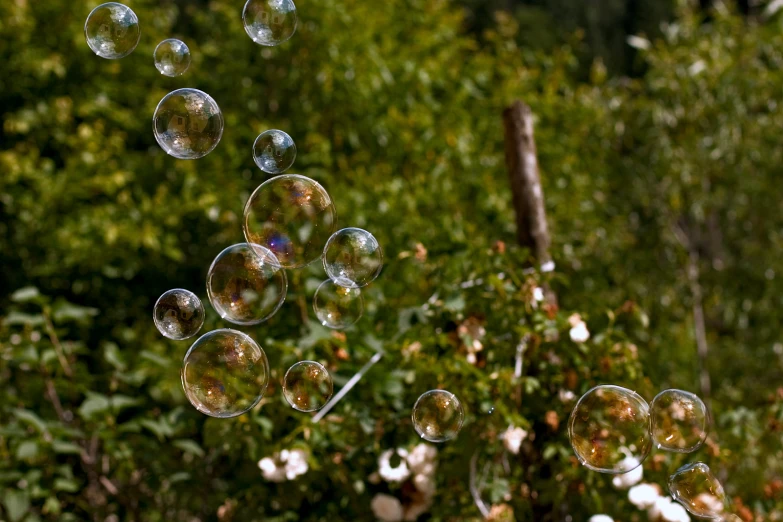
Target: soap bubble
point(698, 490)
point(307, 386)
point(188, 124)
point(112, 30)
point(609, 429)
point(679, 421)
point(245, 284)
point(178, 314)
point(353, 257)
point(438, 416)
point(269, 22)
point(291, 215)
point(337, 306)
point(274, 151)
point(172, 57)
point(225, 373)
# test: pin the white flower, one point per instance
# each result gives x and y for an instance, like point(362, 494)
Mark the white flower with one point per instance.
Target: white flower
point(666, 510)
point(288, 464)
point(643, 496)
point(422, 457)
point(512, 439)
point(711, 502)
point(386, 508)
point(393, 474)
point(295, 463)
point(566, 395)
point(270, 470)
point(538, 294)
point(601, 518)
point(579, 333)
point(626, 480)
point(425, 484)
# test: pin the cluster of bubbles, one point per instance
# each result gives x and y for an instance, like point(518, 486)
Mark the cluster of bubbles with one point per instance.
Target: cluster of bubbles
point(613, 429)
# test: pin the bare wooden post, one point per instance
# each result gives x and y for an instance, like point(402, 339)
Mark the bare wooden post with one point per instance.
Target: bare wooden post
point(522, 164)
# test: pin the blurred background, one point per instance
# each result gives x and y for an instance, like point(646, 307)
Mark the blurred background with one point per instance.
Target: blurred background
point(658, 134)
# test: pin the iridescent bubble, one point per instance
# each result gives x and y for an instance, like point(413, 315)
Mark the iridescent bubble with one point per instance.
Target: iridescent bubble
point(679, 421)
point(698, 490)
point(274, 151)
point(307, 386)
point(353, 257)
point(438, 416)
point(609, 429)
point(269, 22)
point(188, 124)
point(178, 314)
point(337, 306)
point(246, 284)
point(291, 215)
point(225, 373)
point(172, 57)
point(112, 30)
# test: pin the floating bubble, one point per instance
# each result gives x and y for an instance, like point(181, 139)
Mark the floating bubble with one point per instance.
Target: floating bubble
point(438, 416)
point(609, 429)
point(188, 124)
point(246, 284)
point(679, 421)
point(172, 57)
point(112, 30)
point(291, 215)
point(698, 490)
point(225, 373)
point(307, 386)
point(269, 22)
point(353, 257)
point(337, 306)
point(178, 314)
point(274, 151)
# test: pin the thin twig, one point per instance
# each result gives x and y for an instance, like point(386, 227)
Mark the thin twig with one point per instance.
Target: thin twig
point(474, 491)
point(58, 348)
point(348, 386)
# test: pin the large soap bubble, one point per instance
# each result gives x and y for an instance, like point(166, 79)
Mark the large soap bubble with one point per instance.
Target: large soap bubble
point(679, 421)
point(178, 314)
point(269, 22)
point(291, 215)
point(438, 416)
point(337, 306)
point(112, 30)
point(172, 57)
point(188, 124)
point(225, 373)
point(698, 490)
point(307, 386)
point(274, 151)
point(353, 257)
point(609, 429)
point(246, 284)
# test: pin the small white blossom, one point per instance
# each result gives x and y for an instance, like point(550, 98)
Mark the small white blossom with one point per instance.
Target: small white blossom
point(270, 470)
point(512, 439)
point(601, 518)
point(393, 474)
point(286, 465)
point(626, 480)
point(643, 496)
point(566, 396)
point(422, 457)
point(579, 333)
point(387, 508)
point(425, 484)
point(296, 464)
point(666, 510)
point(538, 294)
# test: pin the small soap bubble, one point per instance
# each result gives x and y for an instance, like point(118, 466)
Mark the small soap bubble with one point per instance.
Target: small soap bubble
point(274, 151)
point(291, 215)
point(225, 373)
point(609, 429)
point(337, 306)
point(246, 284)
point(307, 386)
point(269, 22)
point(679, 421)
point(112, 30)
point(353, 257)
point(188, 124)
point(178, 314)
point(172, 57)
point(698, 490)
point(438, 416)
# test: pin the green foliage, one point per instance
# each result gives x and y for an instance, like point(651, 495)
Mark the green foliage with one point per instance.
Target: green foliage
point(396, 111)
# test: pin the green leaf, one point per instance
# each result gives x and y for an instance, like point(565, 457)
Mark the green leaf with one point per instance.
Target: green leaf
point(27, 450)
point(26, 295)
point(64, 447)
point(120, 402)
point(161, 428)
point(63, 312)
point(18, 318)
point(67, 485)
point(16, 503)
point(94, 404)
point(189, 446)
point(111, 352)
point(31, 418)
